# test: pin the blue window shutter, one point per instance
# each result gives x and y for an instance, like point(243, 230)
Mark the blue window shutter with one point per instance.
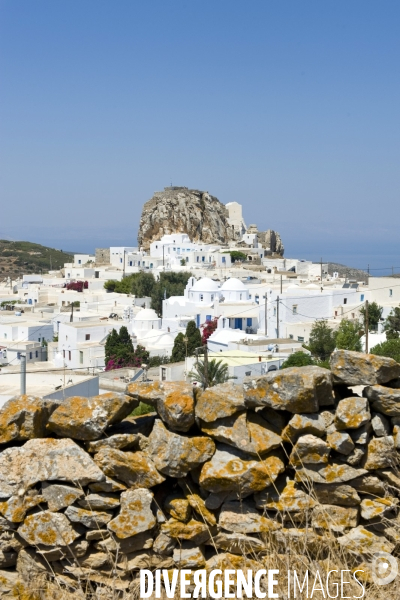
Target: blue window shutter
point(208, 317)
point(249, 322)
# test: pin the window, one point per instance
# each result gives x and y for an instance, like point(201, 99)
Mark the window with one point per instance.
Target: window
point(63, 353)
point(87, 336)
point(249, 322)
point(335, 313)
point(30, 355)
point(274, 311)
point(18, 355)
point(240, 296)
point(290, 336)
point(80, 357)
point(344, 300)
point(257, 299)
point(36, 354)
point(69, 355)
point(208, 317)
point(130, 263)
point(294, 309)
point(79, 262)
point(163, 374)
point(201, 297)
point(197, 259)
point(223, 259)
point(38, 339)
point(247, 373)
point(300, 339)
point(5, 336)
point(120, 260)
point(362, 298)
point(353, 315)
point(212, 297)
point(203, 258)
point(390, 292)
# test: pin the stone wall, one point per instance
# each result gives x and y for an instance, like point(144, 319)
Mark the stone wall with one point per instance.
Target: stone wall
point(293, 462)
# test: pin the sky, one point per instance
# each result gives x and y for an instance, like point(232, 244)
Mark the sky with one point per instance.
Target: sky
point(290, 108)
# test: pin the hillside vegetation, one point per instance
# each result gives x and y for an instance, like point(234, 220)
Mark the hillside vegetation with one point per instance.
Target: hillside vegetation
point(17, 258)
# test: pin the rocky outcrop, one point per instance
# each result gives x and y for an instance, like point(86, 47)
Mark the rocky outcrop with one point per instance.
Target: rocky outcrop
point(181, 210)
point(224, 478)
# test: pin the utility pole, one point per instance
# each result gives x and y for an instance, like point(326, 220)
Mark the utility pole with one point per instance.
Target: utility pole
point(277, 317)
point(205, 367)
point(321, 273)
point(368, 269)
point(366, 326)
point(23, 374)
point(71, 319)
point(163, 259)
point(281, 284)
point(123, 268)
point(265, 312)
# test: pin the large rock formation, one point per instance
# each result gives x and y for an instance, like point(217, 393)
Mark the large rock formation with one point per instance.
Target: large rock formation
point(180, 210)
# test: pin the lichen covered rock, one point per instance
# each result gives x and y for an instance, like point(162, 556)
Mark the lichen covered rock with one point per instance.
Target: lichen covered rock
point(357, 368)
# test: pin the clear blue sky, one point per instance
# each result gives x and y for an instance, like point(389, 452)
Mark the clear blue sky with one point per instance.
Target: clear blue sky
point(289, 107)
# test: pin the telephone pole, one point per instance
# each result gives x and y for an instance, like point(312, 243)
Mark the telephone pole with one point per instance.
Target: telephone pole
point(281, 284)
point(366, 326)
point(23, 374)
point(205, 367)
point(277, 317)
point(72, 312)
point(265, 312)
point(321, 273)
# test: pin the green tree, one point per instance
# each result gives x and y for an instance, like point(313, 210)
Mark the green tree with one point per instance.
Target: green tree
point(142, 284)
point(110, 284)
point(169, 284)
point(390, 348)
point(119, 350)
point(322, 340)
point(111, 346)
point(374, 315)
point(217, 373)
point(392, 324)
point(348, 335)
point(237, 255)
point(194, 337)
point(297, 359)
point(179, 350)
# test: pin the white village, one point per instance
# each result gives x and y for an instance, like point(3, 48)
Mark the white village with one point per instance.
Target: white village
point(258, 306)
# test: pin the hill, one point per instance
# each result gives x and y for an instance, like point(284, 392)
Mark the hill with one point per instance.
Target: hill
point(18, 258)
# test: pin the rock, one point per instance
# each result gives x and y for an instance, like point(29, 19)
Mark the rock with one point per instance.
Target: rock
point(381, 454)
point(164, 545)
point(107, 486)
point(135, 515)
point(8, 559)
point(193, 531)
point(341, 442)
point(362, 435)
point(134, 543)
point(391, 476)
point(97, 534)
point(356, 455)
point(9, 583)
point(92, 519)
point(119, 441)
point(96, 560)
point(334, 518)
point(189, 558)
point(225, 560)
point(384, 399)
point(143, 560)
point(77, 549)
point(172, 400)
point(16, 507)
point(24, 418)
point(179, 209)
point(237, 543)
point(331, 473)
point(135, 469)
point(278, 420)
point(215, 500)
point(243, 517)
point(199, 506)
point(178, 508)
point(231, 470)
point(175, 455)
point(380, 425)
point(343, 495)
point(309, 450)
point(219, 402)
point(297, 389)
point(396, 436)
point(45, 460)
point(87, 418)
point(6, 525)
point(48, 529)
point(379, 507)
point(369, 484)
point(357, 368)
point(291, 499)
point(99, 502)
point(302, 425)
point(352, 413)
point(295, 540)
point(247, 432)
point(360, 541)
point(59, 496)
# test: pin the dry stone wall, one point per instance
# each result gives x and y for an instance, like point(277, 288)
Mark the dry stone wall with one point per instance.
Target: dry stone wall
point(291, 462)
